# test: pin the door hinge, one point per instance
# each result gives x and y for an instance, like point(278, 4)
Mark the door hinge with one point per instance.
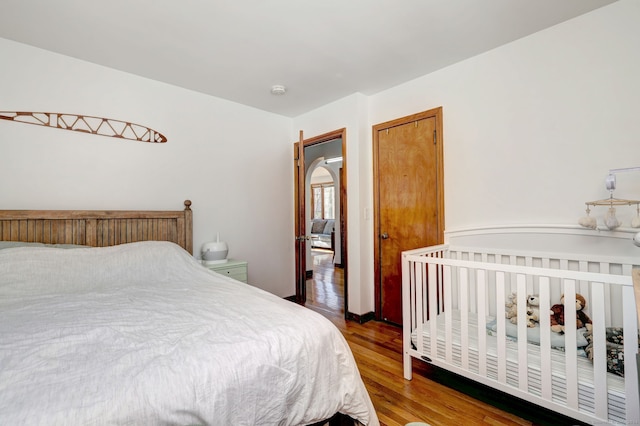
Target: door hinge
point(435, 137)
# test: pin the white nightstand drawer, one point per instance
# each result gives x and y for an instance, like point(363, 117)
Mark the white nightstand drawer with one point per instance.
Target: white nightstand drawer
point(236, 269)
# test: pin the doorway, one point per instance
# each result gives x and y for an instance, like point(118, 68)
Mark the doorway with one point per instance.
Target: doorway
point(408, 200)
point(328, 152)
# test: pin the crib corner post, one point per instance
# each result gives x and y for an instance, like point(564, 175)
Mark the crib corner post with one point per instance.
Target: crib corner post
point(638, 370)
point(406, 317)
point(406, 364)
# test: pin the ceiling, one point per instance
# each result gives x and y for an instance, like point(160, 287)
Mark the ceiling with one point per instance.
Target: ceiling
point(320, 51)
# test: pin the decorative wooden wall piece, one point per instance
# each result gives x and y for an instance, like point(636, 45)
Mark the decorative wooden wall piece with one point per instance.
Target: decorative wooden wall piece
point(88, 124)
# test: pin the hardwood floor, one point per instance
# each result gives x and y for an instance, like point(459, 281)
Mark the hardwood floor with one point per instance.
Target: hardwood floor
point(434, 395)
point(325, 291)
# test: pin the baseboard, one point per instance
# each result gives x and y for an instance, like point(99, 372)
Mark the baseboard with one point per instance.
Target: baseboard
point(291, 298)
point(361, 319)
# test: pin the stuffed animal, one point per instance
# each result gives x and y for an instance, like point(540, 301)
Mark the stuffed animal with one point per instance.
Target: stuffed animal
point(512, 311)
point(557, 318)
point(582, 319)
point(533, 305)
point(512, 308)
point(557, 315)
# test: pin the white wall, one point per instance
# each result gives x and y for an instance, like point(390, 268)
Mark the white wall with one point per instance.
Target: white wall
point(214, 148)
point(530, 130)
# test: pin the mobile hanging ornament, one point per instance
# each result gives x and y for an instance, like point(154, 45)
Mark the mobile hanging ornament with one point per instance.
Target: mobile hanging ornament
point(87, 124)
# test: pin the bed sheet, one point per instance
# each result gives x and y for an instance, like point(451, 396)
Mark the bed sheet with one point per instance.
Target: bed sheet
point(142, 334)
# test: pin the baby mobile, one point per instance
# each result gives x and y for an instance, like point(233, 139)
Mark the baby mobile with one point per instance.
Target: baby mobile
point(610, 219)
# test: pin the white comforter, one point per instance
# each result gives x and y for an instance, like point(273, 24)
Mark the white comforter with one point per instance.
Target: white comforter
point(141, 334)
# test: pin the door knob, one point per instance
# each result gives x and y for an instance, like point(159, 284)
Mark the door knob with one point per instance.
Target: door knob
point(384, 236)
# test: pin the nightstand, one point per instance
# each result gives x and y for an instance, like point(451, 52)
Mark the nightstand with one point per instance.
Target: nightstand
point(236, 269)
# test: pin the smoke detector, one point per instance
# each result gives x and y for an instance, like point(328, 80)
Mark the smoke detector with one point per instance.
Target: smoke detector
point(278, 89)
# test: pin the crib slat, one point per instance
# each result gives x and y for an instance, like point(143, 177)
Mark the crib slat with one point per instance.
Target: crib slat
point(599, 349)
point(418, 285)
point(502, 332)
point(464, 317)
point(630, 350)
point(634, 412)
point(448, 311)
point(481, 285)
point(604, 268)
point(545, 338)
point(489, 301)
point(433, 309)
point(571, 352)
point(521, 288)
point(511, 260)
point(420, 277)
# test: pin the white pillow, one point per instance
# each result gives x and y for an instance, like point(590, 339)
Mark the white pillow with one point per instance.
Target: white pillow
point(533, 334)
point(328, 228)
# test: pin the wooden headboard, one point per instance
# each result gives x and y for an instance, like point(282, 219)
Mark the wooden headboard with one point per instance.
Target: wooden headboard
point(98, 228)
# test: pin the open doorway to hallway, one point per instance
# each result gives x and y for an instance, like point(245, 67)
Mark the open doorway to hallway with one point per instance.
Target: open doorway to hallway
point(326, 284)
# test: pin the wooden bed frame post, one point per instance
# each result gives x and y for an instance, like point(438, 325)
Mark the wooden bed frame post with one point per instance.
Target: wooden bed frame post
point(188, 226)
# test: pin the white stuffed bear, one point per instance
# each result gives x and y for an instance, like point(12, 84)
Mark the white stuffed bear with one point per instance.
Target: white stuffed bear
point(512, 310)
point(533, 306)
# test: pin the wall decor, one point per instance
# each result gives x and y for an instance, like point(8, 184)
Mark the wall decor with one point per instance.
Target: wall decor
point(88, 124)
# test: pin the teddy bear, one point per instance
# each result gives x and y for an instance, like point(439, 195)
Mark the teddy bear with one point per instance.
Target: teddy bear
point(533, 305)
point(512, 308)
point(512, 311)
point(557, 315)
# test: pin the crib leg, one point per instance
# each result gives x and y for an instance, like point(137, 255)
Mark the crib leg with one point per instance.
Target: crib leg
point(406, 363)
point(638, 370)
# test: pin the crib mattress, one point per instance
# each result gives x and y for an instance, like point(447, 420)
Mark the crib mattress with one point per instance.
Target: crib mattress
point(616, 389)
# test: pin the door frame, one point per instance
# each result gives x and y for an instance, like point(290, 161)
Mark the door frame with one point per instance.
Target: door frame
point(377, 252)
point(300, 221)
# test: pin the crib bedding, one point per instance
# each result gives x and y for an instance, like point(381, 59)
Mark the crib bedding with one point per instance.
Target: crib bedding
point(616, 398)
point(533, 335)
point(142, 334)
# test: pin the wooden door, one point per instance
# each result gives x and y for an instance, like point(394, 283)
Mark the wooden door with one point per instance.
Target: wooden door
point(408, 200)
point(299, 222)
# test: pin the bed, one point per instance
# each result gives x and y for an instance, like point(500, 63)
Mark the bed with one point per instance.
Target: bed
point(454, 310)
point(106, 318)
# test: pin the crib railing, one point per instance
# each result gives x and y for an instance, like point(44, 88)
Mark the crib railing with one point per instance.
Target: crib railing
point(451, 294)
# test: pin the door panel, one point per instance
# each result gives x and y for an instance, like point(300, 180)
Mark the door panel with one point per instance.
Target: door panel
point(408, 203)
point(299, 222)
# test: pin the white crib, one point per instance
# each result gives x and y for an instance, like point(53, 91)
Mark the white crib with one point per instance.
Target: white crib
point(451, 294)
